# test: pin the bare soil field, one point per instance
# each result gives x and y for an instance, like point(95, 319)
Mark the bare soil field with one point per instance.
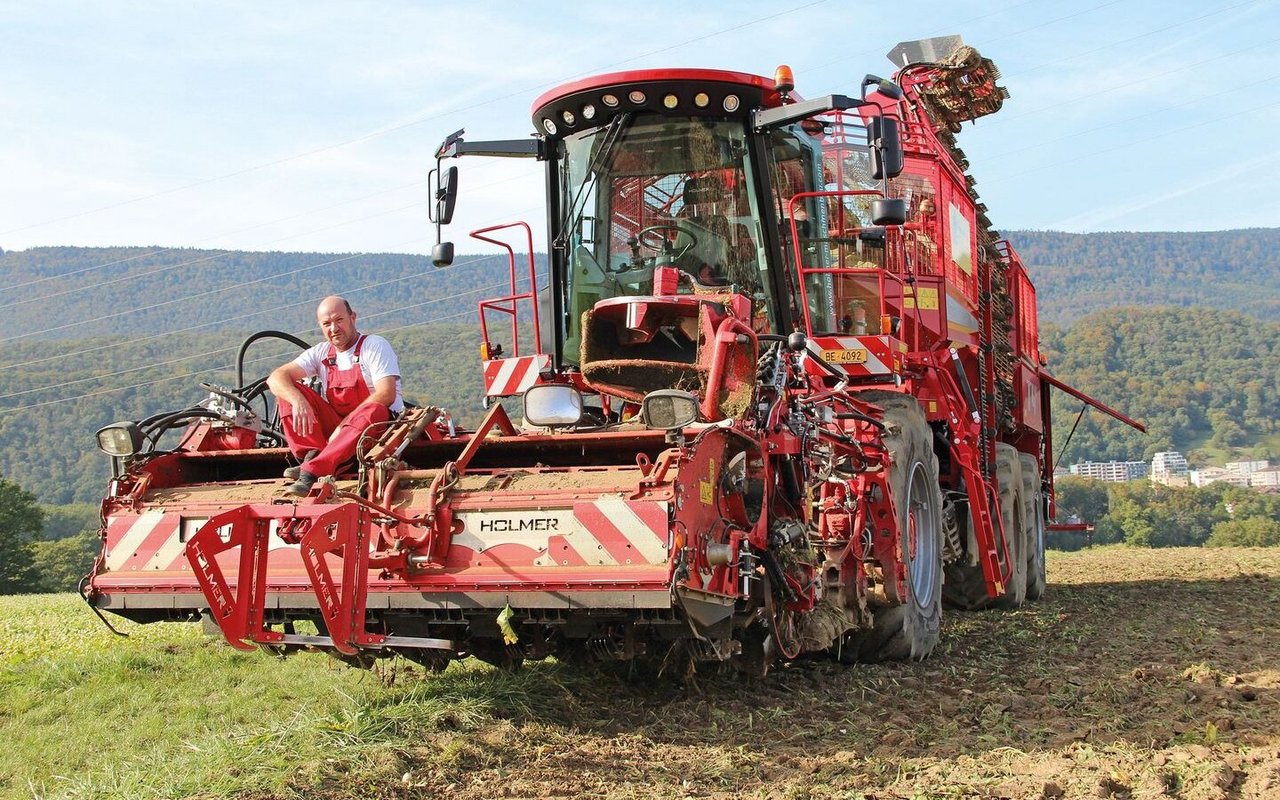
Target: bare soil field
point(1143, 673)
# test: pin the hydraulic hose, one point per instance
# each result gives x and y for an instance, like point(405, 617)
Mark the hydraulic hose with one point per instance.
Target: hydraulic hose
point(244, 347)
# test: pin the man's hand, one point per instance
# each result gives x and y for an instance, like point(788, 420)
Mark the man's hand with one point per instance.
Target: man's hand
point(304, 419)
point(283, 384)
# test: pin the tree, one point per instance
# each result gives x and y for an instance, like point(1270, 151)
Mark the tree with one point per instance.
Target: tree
point(61, 522)
point(21, 521)
point(59, 565)
point(1250, 532)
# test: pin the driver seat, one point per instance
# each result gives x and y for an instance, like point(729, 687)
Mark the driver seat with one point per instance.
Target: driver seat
point(703, 196)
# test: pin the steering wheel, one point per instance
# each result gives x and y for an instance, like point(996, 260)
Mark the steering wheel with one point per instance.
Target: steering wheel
point(646, 237)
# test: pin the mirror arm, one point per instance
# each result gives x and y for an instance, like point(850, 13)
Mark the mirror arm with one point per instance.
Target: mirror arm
point(771, 118)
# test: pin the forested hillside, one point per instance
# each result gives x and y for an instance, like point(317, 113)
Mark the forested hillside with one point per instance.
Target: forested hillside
point(1076, 274)
point(74, 292)
point(1198, 377)
point(99, 335)
point(46, 437)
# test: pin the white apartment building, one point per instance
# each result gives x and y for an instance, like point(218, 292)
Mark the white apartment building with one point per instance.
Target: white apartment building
point(1113, 471)
point(1170, 468)
point(1262, 478)
point(1208, 475)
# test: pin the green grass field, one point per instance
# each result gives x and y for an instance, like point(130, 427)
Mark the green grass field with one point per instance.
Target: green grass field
point(169, 712)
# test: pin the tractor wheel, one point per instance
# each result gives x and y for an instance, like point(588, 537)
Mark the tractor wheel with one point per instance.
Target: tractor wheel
point(1009, 475)
point(965, 587)
point(1033, 525)
point(910, 630)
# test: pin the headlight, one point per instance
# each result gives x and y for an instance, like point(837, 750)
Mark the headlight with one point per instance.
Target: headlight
point(552, 404)
point(669, 409)
point(120, 439)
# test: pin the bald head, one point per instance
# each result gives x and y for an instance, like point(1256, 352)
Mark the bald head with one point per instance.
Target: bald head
point(337, 322)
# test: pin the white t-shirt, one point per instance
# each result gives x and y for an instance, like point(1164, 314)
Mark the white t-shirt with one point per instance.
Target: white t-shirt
point(377, 361)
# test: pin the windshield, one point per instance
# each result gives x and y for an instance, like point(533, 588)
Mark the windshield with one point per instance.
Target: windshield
point(658, 190)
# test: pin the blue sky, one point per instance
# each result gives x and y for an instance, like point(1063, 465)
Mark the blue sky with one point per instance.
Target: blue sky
point(311, 126)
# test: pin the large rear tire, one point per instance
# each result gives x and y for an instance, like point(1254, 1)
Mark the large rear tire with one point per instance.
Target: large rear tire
point(910, 630)
point(1033, 525)
point(1009, 475)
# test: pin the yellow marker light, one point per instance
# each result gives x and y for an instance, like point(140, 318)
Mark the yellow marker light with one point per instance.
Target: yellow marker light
point(783, 79)
point(670, 101)
point(484, 351)
point(702, 99)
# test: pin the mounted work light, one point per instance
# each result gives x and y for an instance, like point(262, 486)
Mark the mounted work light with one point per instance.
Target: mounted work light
point(120, 440)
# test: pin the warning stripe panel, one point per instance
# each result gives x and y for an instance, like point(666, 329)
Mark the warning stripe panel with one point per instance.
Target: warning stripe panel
point(126, 535)
point(607, 532)
point(854, 355)
point(510, 376)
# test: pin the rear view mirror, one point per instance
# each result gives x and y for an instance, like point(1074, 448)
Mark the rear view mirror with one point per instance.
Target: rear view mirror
point(442, 254)
point(888, 211)
point(446, 196)
point(550, 405)
point(886, 147)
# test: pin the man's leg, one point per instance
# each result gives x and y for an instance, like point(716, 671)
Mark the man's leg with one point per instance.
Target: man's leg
point(318, 437)
point(341, 447)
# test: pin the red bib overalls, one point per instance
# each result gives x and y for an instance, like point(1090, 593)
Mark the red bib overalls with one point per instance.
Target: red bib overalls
point(337, 428)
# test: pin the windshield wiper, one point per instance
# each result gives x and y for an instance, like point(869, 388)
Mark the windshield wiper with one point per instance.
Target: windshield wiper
point(612, 133)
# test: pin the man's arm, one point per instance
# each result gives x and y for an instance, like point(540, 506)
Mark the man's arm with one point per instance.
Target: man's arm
point(283, 383)
point(384, 391)
point(384, 368)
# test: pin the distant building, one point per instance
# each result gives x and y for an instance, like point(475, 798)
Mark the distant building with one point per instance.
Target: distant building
point(1208, 475)
point(1245, 468)
point(1113, 471)
point(1170, 468)
point(1263, 478)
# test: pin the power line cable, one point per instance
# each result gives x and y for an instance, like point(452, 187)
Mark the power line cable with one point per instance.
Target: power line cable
point(163, 250)
point(394, 128)
point(225, 320)
point(207, 353)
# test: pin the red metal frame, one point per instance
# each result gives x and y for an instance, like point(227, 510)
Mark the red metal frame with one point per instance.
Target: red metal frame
point(497, 304)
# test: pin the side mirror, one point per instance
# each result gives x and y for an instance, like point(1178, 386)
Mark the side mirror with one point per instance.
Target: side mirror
point(551, 405)
point(888, 211)
point(886, 147)
point(442, 254)
point(446, 195)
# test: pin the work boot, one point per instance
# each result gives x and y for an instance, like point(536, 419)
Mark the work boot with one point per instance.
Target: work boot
point(292, 472)
point(302, 486)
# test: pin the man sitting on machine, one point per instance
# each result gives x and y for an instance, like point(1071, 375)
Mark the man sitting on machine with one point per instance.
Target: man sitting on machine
point(360, 386)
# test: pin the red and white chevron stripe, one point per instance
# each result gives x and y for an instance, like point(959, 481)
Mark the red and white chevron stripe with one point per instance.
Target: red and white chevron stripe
point(504, 377)
point(856, 355)
point(157, 541)
point(608, 531)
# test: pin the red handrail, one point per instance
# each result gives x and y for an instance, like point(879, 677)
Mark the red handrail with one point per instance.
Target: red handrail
point(496, 304)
